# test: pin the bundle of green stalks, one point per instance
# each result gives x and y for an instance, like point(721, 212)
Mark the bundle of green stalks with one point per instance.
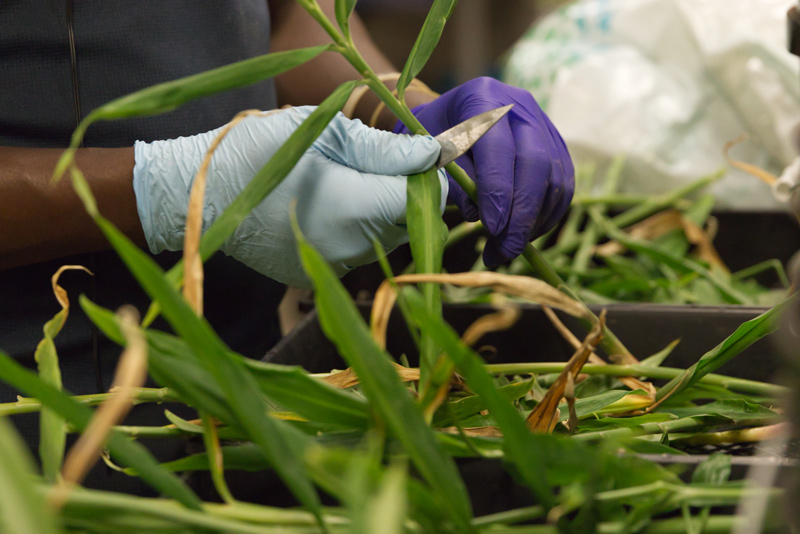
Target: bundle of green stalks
point(627, 248)
point(382, 440)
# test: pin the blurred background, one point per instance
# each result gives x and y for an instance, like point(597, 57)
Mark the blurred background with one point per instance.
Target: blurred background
point(474, 40)
point(665, 83)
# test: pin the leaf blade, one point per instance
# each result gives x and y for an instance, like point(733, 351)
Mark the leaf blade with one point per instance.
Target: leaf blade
point(128, 452)
point(426, 41)
point(343, 324)
point(22, 509)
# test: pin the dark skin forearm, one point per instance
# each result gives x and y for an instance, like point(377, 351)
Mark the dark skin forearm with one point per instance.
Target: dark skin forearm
point(39, 221)
point(310, 83)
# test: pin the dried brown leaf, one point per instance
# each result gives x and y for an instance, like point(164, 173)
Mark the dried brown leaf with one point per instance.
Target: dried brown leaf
point(631, 382)
point(348, 378)
point(545, 415)
point(192, 262)
point(131, 373)
point(703, 241)
point(523, 287)
point(569, 396)
point(60, 292)
point(766, 177)
point(503, 319)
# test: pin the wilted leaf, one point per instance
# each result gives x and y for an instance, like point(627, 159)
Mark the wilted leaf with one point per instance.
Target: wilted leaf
point(52, 429)
point(544, 417)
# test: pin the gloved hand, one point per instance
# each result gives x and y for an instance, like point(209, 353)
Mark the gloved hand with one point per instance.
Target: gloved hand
point(521, 167)
point(349, 186)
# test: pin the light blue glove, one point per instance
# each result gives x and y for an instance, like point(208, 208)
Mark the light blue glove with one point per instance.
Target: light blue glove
point(350, 187)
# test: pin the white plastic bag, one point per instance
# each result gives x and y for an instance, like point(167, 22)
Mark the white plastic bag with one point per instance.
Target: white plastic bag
point(668, 83)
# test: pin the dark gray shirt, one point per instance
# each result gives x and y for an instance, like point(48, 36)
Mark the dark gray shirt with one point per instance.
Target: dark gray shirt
point(122, 46)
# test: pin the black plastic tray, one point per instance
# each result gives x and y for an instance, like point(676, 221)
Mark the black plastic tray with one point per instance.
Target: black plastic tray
point(743, 239)
point(643, 329)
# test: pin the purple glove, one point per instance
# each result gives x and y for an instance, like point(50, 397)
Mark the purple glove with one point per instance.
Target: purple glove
point(521, 167)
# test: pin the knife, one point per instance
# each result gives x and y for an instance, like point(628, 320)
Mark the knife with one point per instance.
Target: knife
point(460, 138)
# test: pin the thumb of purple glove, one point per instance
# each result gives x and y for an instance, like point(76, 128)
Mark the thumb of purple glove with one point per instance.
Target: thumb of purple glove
point(521, 167)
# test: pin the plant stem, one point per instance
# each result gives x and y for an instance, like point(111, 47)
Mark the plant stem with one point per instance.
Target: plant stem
point(237, 518)
point(643, 210)
point(716, 524)
point(511, 516)
point(616, 200)
point(740, 385)
point(591, 234)
point(761, 267)
point(151, 431)
point(140, 395)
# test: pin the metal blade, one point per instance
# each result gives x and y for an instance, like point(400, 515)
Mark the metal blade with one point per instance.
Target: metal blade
point(460, 138)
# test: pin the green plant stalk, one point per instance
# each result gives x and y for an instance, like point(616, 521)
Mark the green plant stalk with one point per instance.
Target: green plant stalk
point(721, 284)
point(717, 524)
point(232, 518)
point(761, 267)
point(427, 234)
point(140, 395)
point(215, 466)
point(150, 431)
point(509, 517)
point(740, 385)
point(456, 235)
point(616, 200)
point(592, 233)
point(684, 424)
point(641, 211)
point(682, 494)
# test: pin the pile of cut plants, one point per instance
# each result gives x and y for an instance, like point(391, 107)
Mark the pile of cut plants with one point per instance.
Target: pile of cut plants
point(376, 447)
point(620, 248)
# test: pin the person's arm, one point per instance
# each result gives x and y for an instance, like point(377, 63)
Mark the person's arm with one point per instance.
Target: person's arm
point(521, 167)
point(293, 27)
point(40, 222)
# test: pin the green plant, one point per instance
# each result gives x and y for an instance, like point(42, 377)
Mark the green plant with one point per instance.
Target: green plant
point(358, 444)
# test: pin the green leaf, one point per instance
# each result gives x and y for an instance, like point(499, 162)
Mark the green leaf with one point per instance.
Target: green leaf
point(426, 42)
point(658, 358)
point(290, 387)
point(519, 441)
point(52, 429)
point(22, 509)
point(594, 405)
point(744, 336)
point(344, 8)
point(591, 425)
point(715, 470)
point(427, 234)
point(240, 389)
point(125, 451)
point(458, 410)
point(170, 95)
point(679, 263)
point(733, 409)
point(295, 390)
point(642, 446)
point(169, 365)
point(386, 511)
point(343, 325)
